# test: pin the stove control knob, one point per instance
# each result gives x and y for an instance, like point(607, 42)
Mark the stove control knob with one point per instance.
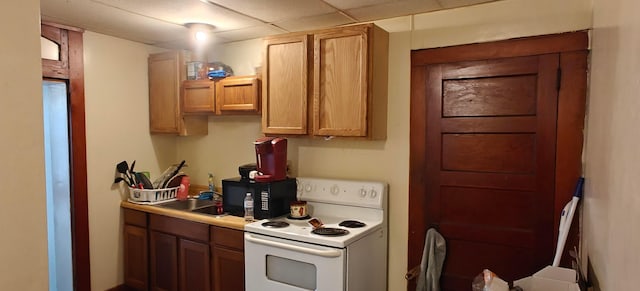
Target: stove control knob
point(363, 192)
point(373, 193)
point(335, 190)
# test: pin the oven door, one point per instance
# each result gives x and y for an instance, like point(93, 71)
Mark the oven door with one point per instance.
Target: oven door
point(273, 264)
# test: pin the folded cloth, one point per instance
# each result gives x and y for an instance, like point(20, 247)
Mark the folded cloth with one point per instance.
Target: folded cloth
point(433, 255)
point(217, 74)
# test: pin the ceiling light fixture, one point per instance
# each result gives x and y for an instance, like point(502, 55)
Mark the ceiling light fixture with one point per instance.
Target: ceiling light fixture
point(200, 31)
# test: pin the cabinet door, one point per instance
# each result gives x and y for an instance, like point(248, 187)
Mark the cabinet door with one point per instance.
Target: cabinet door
point(341, 81)
point(198, 97)
point(228, 269)
point(238, 95)
point(164, 82)
point(136, 260)
point(166, 73)
point(164, 262)
point(285, 88)
point(194, 266)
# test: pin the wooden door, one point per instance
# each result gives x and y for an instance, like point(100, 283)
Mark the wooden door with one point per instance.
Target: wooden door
point(285, 87)
point(484, 146)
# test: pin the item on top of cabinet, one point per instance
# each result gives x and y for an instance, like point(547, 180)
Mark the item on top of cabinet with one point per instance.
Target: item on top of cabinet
point(196, 71)
point(219, 70)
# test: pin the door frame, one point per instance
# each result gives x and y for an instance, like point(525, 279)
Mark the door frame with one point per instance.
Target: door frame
point(71, 69)
point(573, 50)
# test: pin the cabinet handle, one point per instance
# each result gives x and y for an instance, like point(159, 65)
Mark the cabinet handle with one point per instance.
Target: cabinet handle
point(322, 253)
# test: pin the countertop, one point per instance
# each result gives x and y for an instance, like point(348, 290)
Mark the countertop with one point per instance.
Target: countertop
point(228, 221)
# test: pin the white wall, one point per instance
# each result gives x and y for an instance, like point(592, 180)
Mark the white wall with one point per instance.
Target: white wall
point(612, 203)
point(23, 246)
point(117, 127)
point(23, 243)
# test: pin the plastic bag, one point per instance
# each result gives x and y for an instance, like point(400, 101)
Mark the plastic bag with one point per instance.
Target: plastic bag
point(488, 281)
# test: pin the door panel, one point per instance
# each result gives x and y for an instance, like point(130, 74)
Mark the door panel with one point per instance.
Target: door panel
point(514, 95)
point(495, 141)
point(501, 153)
point(473, 192)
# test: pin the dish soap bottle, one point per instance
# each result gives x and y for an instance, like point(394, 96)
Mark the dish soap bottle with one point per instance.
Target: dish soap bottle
point(248, 208)
point(211, 187)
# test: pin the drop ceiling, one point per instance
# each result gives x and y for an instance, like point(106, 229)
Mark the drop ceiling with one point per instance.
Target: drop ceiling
point(161, 22)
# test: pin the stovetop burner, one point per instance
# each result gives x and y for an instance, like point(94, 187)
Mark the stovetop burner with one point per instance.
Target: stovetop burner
point(352, 224)
point(330, 231)
point(275, 224)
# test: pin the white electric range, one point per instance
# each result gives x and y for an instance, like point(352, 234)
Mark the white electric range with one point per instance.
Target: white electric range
point(348, 252)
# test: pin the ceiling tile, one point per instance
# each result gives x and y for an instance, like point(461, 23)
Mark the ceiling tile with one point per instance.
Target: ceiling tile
point(277, 10)
point(393, 9)
point(110, 21)
point(248, 33)
point(315, 22)
point(183, 11)
point(461, 3)
point(348, 4)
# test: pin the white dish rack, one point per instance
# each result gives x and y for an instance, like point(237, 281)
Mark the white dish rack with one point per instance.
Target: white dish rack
point(151, 196)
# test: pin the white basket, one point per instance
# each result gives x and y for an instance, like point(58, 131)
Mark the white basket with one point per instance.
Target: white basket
point(152, 195)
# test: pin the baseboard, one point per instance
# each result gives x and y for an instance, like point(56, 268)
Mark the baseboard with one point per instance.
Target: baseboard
point(121, 287)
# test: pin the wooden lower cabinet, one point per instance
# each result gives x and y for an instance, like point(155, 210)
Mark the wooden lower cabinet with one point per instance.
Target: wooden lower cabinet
point(164, 262)
point(227, 246)
point(170, 254)
point(136, 257)
point(194, 266)
point(136, 250)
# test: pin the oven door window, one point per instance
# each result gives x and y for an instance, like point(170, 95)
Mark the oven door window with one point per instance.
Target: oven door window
point(291, 272)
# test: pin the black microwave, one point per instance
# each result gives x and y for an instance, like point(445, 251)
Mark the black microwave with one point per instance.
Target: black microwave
point(270, 199)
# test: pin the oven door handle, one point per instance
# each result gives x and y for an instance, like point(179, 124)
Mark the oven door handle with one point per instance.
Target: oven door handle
point(322, 253)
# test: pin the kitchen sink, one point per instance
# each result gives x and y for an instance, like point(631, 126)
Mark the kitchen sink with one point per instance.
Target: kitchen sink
point(209, 210)
point(187, 205)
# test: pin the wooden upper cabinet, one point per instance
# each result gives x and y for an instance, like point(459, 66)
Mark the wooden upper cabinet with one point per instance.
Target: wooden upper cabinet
point(238, 95)
point(349, 83)
point(166, 72)
point(198, 97)
point(285, 88)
